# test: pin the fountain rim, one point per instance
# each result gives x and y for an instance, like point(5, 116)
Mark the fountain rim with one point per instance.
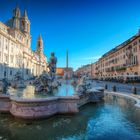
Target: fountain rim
point(17, 99)
point(121, 94)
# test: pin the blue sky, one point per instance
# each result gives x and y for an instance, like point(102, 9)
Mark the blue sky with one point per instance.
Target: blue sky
point(87, 28)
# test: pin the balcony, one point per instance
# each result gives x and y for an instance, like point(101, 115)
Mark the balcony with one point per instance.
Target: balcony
point(121, 69)
point(132, 64)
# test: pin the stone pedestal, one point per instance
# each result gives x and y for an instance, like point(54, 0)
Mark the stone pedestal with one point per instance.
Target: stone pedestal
point(43, 108)
point(5, 103)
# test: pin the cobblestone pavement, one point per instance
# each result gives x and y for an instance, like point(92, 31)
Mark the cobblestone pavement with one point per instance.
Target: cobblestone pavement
point(121, 87)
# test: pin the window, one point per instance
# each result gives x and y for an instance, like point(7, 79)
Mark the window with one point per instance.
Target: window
point(27, 71)
point(10, 72)
point(4, 73)
point(135, 43)
point(6, 58)
point(136, 59)
point(6, 47)
point(11, 57)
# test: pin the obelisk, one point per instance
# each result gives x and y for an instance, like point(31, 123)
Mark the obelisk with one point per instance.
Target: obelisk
point(67, 63)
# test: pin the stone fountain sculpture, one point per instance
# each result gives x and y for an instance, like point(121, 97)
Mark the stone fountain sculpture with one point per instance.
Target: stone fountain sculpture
point(43, 83)
point(52, 71)
point(87, 92)
point(84, 84)
point(52, 66)
point(47, 82)
point(18, 81)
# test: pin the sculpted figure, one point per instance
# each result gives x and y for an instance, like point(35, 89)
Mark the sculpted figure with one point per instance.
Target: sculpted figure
point(43, 83)
point(52, 65)
point(47, 82)
point(84, 84)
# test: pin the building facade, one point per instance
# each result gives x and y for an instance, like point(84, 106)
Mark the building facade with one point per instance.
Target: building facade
point(121, 61)
point(86, 69)
point(62, 72)
point(15, 48)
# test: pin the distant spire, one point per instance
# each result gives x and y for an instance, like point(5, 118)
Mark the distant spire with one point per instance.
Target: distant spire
point(39, 44)
point(17, 7)
point(67, 61)
point(25, 14)
point(16, 11)
point(17, 4)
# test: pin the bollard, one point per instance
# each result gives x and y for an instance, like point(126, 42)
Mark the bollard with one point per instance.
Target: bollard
point(114, 88)
point(134, 90)
point(106, 86)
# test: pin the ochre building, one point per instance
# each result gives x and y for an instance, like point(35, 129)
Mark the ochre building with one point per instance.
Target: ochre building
point(123, 60)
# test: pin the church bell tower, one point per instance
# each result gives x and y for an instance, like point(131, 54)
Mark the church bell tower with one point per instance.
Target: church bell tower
point(39, 45)
point(16, 18)
point(25, 23)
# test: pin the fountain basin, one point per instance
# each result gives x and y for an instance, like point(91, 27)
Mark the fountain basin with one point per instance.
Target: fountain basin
point(27, 105)
point(43, 108)
point(91, 96)
point(5, 103)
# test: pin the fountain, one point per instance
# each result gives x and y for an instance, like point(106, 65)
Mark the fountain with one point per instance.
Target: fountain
point(46, 106)
point(34, 108)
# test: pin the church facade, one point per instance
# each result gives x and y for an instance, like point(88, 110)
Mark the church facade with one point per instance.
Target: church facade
point(15, 48)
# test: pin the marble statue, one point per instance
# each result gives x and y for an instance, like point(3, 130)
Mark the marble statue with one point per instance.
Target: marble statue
point(84, 84)
point(47, 82)
point(43, 83)
point(18, 81)
point(52, 66)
